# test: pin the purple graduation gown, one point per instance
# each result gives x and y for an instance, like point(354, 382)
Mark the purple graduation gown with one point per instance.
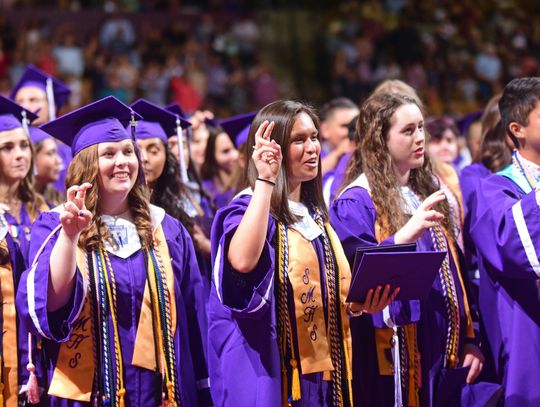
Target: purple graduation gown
point(141, 384)
point(506, 230)
point(18, 265)
point(353, 217)
point(333, 179)
point(21, 230)
point(219, 199)
point(469, 180)
point(243, 357)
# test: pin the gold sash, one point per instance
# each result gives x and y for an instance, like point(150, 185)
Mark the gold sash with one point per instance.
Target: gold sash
point(10, 376)
point(305, 278)
point(74, 373)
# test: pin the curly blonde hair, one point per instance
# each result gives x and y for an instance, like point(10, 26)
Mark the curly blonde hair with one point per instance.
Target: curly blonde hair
point(84, 168)
point(372, 157)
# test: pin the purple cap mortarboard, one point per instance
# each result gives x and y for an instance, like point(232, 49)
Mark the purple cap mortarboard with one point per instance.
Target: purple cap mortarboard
point(237, 127)
point(176, 109)
point(413, 272)
point(156, 122)
point(99, 122)
point(57, 92)
point(13, 116)
point(465, 122)
point(37, 135)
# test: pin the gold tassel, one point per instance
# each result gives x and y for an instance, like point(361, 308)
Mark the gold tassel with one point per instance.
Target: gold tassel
point(121, 394)
point(171, 394)
point(295, 391)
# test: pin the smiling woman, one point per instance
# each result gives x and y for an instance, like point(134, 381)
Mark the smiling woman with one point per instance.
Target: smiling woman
point(145, 297)
point(278, 319)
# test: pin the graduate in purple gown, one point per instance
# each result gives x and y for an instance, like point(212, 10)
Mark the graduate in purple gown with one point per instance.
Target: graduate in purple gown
point(48, 165)
point(505, 229)
point(391, 198)
point(278, 323)
point(162, 173)
point(495, 153)
point(22, 204)
point(44, 95)
point(15, 369)
point(219, 167)
point(111, 288)
point(333, 179)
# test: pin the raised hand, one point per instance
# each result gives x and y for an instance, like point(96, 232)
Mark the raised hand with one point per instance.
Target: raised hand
point(266, 153)
point(424, 218)
point(74, 216)
point(375, 300)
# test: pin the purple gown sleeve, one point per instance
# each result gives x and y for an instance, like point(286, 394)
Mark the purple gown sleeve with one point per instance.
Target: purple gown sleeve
point(32, 290)
point(246, 294)
point(506, 228)
point(353, 217)
point(192, 297)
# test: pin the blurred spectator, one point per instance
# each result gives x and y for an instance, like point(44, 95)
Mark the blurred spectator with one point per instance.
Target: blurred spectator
point(69, 55)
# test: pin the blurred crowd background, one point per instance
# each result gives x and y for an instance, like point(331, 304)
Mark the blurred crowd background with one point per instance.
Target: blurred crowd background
point(234, 56)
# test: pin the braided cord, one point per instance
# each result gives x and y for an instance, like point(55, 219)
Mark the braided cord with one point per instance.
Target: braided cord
point(111, 290)
point(95, 315)
point(450, 298)
point(108, 391)
point(334, 315)
point(168, 339)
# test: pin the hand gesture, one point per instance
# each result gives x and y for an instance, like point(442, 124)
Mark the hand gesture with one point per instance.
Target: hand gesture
point(473, 357)
point(266, 153)
point(74, 216)
point(375, 300)
point(423, 219)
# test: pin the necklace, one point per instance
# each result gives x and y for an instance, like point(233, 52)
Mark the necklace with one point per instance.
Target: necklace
point(531, 180)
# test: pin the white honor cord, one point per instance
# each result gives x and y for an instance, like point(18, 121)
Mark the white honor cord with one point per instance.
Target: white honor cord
point(183, 169)
point(398, 396)
point(50, 99)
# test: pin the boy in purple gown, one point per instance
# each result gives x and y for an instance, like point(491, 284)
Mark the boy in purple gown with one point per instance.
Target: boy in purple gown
point(505, 228)
point(113, 287)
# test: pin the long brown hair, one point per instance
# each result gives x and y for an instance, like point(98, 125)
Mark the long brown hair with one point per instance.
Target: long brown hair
point(26, 192)
point(283, 113)
point(495, 153)
point(373, 158)
point(84, 168)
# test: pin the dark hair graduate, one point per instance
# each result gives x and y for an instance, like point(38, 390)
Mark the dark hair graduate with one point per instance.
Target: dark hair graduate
point(168, 191)
point(283, 113)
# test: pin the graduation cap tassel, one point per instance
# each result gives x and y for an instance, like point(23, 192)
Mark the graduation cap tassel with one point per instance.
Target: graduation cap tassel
point(49, 90)
point(32, 387)
point(183, 169)
point(295, 381)
point(25, 122)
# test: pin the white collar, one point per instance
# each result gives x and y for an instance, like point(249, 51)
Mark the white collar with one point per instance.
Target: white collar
point(306, 226)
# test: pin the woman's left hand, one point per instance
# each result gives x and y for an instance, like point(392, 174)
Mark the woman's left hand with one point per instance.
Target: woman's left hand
point(375, 300)
point(473, 357)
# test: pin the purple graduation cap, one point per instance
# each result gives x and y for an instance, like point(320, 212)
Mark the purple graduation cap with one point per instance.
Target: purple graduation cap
point(466, 121)
point(13, 116)
point(176, 109)
point(99, 122)
point(57, 92)
point(156, 121)
point(237, 127)
point(37, 135)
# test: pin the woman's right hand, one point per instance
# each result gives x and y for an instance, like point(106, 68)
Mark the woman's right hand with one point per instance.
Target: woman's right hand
point(423, 218)
point(266, 153)
point(74, 216)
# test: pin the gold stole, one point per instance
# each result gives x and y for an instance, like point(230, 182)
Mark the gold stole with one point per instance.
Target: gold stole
point(74, 373)
point(9, 386)
point(305, 278)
